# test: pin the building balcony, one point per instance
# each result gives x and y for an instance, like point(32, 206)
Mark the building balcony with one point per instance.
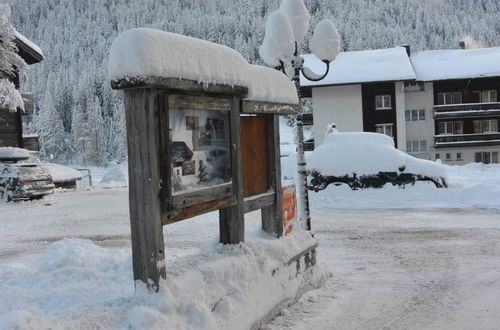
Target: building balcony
point(466, 140)
point(466, 110)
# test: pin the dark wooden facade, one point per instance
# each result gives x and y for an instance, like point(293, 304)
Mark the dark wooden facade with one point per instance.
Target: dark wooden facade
point(469, 109)
point(371, 116)
point(11, 124)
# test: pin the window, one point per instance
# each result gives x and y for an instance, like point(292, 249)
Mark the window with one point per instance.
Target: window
point(448, 156)
point(416, 146)
point(383, 102)
point(485, 126)
point(438, 156)
point(489, 96)
point(414, 86)
point(414, 115)
point(451, 127)
point(487, 157)
point(384, 129)
point(449, 98)
point(459, 156)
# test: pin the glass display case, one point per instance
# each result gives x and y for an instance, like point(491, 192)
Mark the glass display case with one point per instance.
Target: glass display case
point(200, 141)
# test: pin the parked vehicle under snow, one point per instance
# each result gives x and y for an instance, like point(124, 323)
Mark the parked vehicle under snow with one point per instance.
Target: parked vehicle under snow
point(368, 160)
point(20, 179)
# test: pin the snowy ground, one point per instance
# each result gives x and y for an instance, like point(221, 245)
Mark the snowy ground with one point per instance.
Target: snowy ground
point(415, 258)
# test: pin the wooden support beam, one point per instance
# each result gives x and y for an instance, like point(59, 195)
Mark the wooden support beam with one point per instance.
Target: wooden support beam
point(142, 108)
point(231, 219)
point(272, 215)
point(259, 201)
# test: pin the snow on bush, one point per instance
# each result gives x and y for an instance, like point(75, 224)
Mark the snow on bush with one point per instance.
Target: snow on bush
point(10, 97)
point(141, 53)
point(115, 175)
point(367, 153)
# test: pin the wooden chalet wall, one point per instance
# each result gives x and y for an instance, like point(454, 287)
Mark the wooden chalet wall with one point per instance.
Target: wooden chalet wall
point(372, 117)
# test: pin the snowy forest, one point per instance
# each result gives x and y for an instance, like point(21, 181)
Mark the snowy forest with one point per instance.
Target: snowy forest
point(79, 118)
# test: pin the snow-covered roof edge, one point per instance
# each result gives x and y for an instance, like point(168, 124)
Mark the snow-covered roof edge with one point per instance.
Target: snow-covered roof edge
point(448, 64)
point(144, 55)
point(388, 64)
point(428, 65)
point(29, 44)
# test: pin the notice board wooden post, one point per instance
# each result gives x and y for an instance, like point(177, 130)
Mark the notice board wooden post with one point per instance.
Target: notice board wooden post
point(231, 219)
point(142, 107)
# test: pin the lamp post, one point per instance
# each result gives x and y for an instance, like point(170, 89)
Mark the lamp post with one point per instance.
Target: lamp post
point(285, 29)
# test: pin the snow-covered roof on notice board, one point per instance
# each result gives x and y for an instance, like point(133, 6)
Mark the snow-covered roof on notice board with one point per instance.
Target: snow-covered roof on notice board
point(456, 63)
point(142, 53)
point(392, 64)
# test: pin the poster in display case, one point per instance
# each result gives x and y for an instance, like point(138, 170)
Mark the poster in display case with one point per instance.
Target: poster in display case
point(200, 147)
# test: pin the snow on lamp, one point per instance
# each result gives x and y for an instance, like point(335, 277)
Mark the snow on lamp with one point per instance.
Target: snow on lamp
point(285, 29)
point(278, 44)
point(299, 17)
point(325, 42)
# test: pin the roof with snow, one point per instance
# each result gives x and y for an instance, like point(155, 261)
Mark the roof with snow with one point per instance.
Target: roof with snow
point(390, 64)
point(393, 64)
point(28, 50)
point(456, 63)
point(142, 54)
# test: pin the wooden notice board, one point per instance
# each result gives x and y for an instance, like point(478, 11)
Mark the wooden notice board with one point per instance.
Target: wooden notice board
point(254, 155)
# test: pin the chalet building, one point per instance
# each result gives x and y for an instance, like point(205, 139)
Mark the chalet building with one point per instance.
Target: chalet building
point(440, 104)
point(11, 123)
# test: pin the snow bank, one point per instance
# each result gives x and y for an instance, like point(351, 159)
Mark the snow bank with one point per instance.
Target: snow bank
point(60, 173)
point(391, 64)
point(456, 63)
point(76, 284)
point(13, 153)
point(115, 175)
point(141, 53)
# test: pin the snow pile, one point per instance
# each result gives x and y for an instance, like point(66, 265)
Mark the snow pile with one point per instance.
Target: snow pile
point(456, 63)
point(472, 185)
point(14, 153)
point(391, 64)
point(115, 175)
point(142, 53)
point(76, 284)
point(366, 153)
point(60, 173)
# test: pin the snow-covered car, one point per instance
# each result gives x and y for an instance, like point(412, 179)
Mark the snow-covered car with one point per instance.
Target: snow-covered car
point(364, 160)
point(20, 179)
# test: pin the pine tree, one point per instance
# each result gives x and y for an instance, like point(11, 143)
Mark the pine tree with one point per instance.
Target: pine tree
point(11, 64)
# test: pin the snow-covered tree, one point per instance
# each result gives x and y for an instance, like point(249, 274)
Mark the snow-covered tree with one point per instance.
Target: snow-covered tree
point(49, 125)
point(76, 35)
point(11, 64)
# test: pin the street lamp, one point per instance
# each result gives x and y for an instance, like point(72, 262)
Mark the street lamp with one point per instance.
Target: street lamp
point(285, 29)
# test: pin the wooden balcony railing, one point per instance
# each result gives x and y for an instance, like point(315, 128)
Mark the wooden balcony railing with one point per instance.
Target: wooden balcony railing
point(459, 140)
point(466, 109)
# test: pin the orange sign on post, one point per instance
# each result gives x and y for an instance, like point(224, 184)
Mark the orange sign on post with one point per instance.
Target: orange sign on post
point(289, 204)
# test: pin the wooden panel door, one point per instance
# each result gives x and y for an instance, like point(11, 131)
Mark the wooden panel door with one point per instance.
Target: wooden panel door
point(254, 155)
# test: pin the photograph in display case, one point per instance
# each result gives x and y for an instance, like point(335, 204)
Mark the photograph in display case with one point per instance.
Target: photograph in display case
point(200, 149)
